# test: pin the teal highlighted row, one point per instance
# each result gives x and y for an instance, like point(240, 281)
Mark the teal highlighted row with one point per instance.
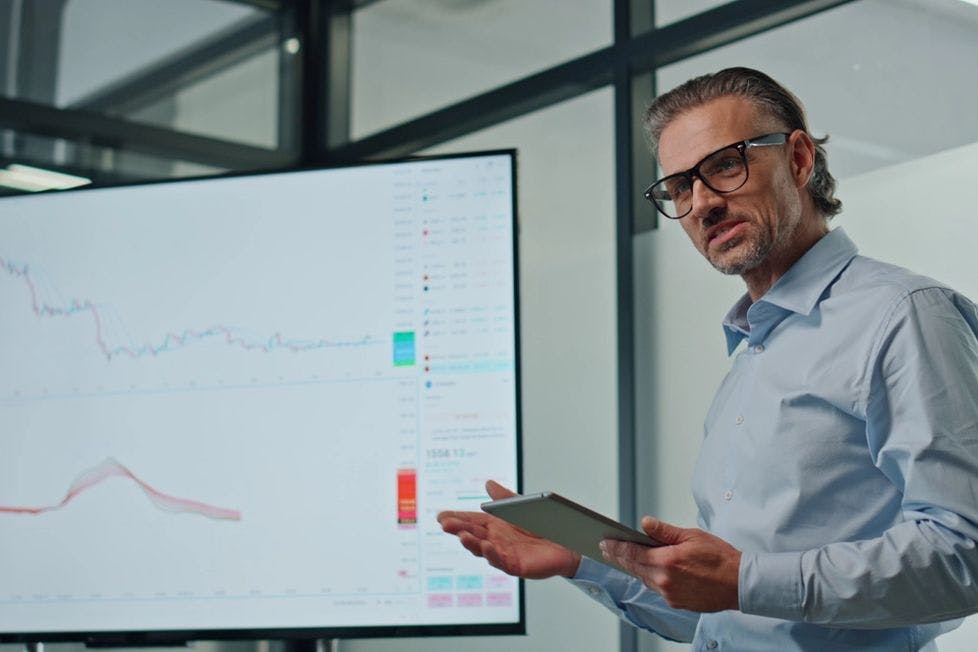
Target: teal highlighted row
point(462, 583)
point(404, 349)
point(475, 367)
point(469, 582)
point(440, 583)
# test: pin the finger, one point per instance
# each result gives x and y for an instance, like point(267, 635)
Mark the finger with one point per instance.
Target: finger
point(471, 543)
point(662, 532)
point(496, 559)
point(498, 491)
point(463, 517)
point(457, 526)
point(483, 548)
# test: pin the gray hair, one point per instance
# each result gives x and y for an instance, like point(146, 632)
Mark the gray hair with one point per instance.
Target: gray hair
point(768, 96)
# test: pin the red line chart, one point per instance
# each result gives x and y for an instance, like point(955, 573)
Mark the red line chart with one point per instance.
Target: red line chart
point(110, 468)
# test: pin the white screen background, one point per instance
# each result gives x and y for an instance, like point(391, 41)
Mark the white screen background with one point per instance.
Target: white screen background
point(264, 354)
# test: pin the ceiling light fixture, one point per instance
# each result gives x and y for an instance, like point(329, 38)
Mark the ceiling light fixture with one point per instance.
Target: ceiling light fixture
point(32, 179)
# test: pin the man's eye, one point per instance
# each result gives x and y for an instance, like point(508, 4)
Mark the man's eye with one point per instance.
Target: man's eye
point(724, 165)
point(679, 188)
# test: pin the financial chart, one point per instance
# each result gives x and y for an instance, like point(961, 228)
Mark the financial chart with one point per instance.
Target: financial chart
point(239, 403)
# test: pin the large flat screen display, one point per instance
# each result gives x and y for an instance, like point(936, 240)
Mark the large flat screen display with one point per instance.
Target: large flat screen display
point(232, 407)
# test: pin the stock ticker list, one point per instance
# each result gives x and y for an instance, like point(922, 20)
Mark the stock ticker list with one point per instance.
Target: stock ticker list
point(455, 323)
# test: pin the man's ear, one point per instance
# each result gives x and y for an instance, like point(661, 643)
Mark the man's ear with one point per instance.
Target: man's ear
point(801, 149)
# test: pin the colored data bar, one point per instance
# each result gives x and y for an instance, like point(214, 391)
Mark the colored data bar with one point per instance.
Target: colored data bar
point(407, 496)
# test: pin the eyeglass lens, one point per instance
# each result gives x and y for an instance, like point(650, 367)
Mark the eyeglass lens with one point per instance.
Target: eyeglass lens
point(723, 171)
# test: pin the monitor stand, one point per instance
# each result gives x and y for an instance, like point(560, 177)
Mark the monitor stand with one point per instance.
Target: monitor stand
point(309, 645)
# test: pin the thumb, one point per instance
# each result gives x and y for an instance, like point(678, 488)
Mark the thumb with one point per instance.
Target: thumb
point(661, 531)
point(497, 491)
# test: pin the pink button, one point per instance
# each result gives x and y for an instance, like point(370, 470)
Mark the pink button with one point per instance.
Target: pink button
point(469, 599)
point(436, 600)
point(499, 599)
point(499, 581)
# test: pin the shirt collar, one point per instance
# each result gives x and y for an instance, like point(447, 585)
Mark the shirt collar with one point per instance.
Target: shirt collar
point(801, 287)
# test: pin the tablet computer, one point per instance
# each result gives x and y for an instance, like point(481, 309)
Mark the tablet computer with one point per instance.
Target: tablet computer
point(563, 521)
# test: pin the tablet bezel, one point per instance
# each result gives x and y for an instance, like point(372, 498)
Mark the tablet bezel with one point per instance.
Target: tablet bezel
point(549, 515)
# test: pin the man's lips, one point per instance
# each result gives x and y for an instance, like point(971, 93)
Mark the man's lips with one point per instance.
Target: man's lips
point(724, 232)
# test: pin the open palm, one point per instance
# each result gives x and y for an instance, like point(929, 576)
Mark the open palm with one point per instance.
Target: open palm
point(507, 547)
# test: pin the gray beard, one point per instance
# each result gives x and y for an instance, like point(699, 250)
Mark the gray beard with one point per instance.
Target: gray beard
point(754, 253)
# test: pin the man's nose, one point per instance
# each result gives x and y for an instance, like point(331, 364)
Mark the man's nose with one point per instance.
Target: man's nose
point(706, 201)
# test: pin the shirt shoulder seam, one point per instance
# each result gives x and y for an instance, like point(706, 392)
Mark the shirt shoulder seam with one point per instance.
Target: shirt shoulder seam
point(879, 338)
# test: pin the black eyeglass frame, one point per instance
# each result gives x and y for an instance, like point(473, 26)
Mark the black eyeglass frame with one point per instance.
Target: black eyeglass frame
point(765, 140)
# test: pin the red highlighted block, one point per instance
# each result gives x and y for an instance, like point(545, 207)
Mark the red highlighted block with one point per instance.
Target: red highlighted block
point(407, 496)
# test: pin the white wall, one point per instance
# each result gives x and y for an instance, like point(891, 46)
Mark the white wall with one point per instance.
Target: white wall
point(920, 214)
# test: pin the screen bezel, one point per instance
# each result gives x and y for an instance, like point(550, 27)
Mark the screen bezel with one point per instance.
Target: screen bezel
point(169, 637)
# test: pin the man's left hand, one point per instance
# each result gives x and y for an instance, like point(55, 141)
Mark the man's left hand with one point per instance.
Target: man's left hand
point(693, 570)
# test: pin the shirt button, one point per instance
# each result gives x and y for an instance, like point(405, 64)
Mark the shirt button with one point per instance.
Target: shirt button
point(759, 348)
point(739, 419)
point(711, 645)
point(594, 590)
point(727, 495)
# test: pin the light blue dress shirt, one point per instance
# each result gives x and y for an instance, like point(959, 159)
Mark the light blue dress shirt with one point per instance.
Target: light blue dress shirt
point(840, 455)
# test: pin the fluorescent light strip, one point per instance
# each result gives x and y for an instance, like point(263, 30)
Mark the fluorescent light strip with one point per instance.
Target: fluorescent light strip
point(14, 180)
point(32, 179)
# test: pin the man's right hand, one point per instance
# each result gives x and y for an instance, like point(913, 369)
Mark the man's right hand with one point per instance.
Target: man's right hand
point(507, 547)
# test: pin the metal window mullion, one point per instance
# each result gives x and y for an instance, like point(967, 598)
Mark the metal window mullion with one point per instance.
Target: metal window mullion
point(625, 327)
point(338, 53)
point(289, 128)
point(630, 17)
point(323, 100)
point(41, 119)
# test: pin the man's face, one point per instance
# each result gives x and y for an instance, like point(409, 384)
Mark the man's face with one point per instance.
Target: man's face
point(743, 231)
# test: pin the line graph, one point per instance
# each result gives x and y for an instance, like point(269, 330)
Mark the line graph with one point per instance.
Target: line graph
point(110, 468)
point(169, 341)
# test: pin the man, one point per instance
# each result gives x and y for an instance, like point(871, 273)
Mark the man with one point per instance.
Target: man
point(837, 483)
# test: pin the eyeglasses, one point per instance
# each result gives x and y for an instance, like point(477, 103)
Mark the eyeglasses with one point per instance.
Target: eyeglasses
point(725, 170)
